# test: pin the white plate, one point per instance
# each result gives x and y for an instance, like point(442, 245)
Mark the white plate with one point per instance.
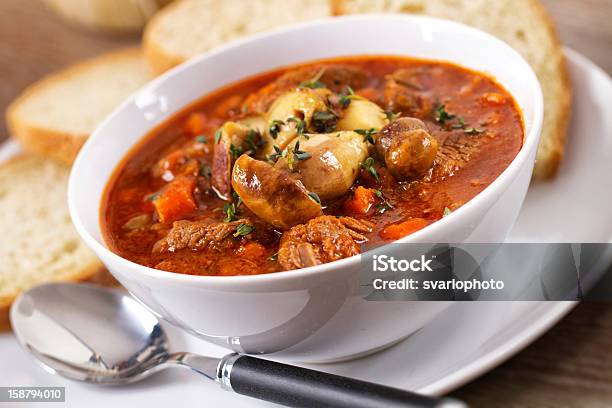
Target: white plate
point(463, 342)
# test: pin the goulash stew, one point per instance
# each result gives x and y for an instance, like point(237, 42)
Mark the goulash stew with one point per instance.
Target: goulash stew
point(308, 165)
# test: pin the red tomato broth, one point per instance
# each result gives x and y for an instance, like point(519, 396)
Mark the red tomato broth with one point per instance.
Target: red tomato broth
point(478, 99)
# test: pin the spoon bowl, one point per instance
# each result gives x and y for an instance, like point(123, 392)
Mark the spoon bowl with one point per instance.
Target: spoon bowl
point(88, 333)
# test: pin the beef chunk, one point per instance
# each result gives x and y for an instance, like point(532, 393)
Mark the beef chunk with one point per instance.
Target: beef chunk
point(455, 153)
point(404, 92)
point(320, 240)
point(197, 235)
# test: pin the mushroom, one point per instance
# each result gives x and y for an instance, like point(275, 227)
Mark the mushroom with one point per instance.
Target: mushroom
point(407, 148)
point(232, 139)
point(291, 114)
point(255, 122)
point(362, 114)
point(331, 163)
point(274, 195)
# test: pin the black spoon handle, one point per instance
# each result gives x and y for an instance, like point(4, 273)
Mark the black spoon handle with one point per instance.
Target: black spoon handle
point(301, 387)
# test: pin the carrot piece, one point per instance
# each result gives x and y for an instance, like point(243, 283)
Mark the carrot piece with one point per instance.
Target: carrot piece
point(175, 199)
point(252, 250)
point(173, 160)
point(195, 124)
point(361, 202)
point(396, 231)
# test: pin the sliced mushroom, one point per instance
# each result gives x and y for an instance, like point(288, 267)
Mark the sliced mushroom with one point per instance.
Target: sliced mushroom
point(362, 114)
point(255, 122)
point(234, 139)
point(407, 148)
point(333, 162)
point(290, 111)
point(273, 194)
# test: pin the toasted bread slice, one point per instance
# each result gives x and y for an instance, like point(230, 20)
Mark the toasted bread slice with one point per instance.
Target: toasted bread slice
point(526, 26)
point(189, 27)
point(54, 116)
point(110, 15)
point(38, 243)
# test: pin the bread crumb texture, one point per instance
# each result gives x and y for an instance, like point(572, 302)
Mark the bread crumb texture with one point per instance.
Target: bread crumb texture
point(38, 243)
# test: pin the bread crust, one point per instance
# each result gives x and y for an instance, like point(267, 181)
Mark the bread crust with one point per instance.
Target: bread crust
point(60, 146)
point(158, 59)
point(547, 169)
point(93, 272)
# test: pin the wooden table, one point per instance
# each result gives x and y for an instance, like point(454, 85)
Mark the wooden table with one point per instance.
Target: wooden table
point(571, 366)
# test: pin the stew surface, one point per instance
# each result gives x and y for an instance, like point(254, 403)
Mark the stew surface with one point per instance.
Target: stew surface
point(309, 164)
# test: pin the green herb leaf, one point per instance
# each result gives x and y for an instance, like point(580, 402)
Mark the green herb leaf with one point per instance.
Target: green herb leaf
point(314, 82)
point(273, 257)
point(299, 124)
point(345, 98)
point(275, 128)
point(244, 230)
point(237, 200)
point(391, 116)
point(235, 151)
point(295, 155)
point(302, 155)
point(230, 212)
point(253, 140)
point(368, 165)
point(201, 139)
point(278, 153)
point(367, 134)
point(324, 121)
point(314, 197)
point(385, 205)
point(442, 115)
point(447, 212)
point(460, 123)
point(153, 197)
point(218, 135)
point(323, 116)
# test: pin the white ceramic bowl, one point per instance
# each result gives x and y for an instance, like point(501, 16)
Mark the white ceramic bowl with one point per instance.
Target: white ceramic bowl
point(314, 314)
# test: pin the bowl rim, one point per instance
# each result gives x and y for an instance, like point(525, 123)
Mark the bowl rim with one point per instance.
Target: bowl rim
point(509, 173)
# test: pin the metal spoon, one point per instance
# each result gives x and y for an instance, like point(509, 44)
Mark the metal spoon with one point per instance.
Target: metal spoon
point(98, 335)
